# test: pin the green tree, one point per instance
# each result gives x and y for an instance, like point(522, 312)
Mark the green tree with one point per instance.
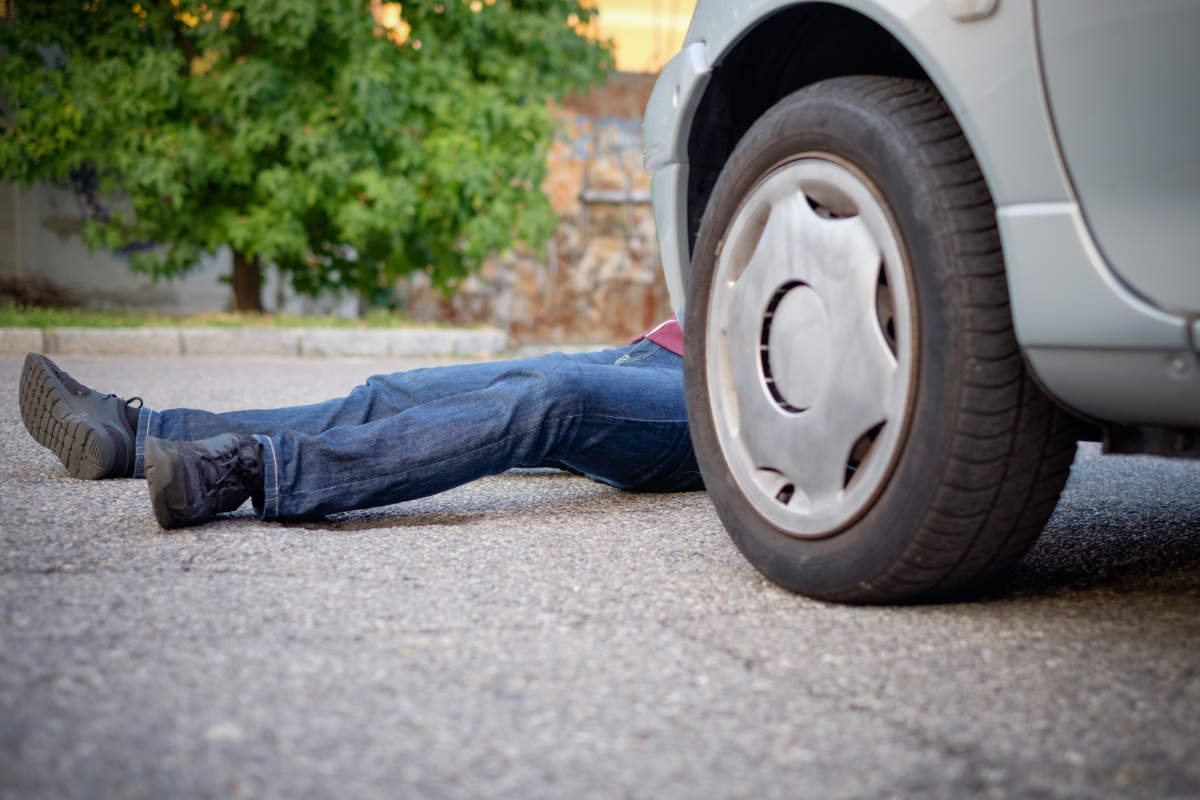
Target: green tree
point(348, 142)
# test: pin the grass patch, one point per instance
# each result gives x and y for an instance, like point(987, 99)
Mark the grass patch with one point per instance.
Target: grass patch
point(15, 316)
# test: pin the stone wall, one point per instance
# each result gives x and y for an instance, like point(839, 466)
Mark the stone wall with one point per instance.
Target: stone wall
point(601, 280)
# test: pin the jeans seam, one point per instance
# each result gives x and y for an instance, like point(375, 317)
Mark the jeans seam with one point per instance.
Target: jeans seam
point(638, 419)
point(145, 416)
point(275, 479)
point(634, 355)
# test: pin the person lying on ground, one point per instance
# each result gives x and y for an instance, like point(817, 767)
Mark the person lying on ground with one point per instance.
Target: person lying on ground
point(616, 416)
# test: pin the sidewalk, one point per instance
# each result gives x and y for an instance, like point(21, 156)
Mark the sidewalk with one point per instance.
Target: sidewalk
point(304, 342)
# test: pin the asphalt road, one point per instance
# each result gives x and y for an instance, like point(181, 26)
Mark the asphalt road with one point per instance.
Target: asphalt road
point(538, 635)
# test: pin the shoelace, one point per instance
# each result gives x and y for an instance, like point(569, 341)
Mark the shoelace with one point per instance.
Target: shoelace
point(78, 389)
point(229, 461)
point(226, 475)
point(83, 390)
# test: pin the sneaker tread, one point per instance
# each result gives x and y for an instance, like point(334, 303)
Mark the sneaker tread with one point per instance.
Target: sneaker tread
point(52, 423)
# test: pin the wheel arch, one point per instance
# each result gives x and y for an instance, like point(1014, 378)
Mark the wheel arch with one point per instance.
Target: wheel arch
point(795, 43)
point(784, 51)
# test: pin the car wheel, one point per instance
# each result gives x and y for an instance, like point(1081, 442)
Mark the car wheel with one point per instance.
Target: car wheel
point(860, 409)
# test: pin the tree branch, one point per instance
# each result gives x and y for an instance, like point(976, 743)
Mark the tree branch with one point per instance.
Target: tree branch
point(186, 45)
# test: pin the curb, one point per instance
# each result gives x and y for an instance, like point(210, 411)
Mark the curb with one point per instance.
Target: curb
point(298, 342)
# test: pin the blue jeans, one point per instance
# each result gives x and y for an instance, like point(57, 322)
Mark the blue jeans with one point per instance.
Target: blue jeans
point(617, 416)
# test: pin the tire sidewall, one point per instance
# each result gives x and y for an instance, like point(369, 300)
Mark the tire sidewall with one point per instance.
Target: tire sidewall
point(823, 119)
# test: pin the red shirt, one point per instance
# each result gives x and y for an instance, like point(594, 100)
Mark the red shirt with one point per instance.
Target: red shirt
point(666, 334)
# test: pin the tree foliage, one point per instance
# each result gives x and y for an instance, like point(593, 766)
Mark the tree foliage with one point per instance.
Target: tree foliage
point(311, 134)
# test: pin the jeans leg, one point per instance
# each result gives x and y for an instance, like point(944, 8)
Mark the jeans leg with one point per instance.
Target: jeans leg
point(633, 431)
point(380, 397)
point(514, 419)
point(624, 426)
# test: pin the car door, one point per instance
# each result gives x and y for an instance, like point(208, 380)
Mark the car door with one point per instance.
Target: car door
point(1122, 80)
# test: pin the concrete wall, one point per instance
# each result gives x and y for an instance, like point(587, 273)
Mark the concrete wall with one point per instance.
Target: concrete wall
point(40, 238)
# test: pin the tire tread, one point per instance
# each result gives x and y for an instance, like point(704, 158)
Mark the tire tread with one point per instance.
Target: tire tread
point(1000, 499)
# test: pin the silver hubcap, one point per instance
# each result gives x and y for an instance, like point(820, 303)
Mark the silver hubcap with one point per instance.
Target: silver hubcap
point(810, 357)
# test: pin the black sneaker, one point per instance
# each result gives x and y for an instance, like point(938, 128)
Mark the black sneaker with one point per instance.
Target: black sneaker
point(91, 433)
point(191, 482)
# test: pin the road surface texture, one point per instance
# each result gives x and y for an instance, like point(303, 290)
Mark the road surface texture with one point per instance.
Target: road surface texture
point(538, 635)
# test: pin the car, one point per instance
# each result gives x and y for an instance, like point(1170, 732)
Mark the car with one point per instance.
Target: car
point(919, 250)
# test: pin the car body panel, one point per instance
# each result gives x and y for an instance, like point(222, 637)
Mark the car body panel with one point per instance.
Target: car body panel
point(1119, 359)
point(1121, 86)
point(996, 91)
point(676, 95)
point(668, 193)
point(1069, 306)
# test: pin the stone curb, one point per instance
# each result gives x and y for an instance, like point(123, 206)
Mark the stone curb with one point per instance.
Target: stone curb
point(19, 341)
point(306, 342)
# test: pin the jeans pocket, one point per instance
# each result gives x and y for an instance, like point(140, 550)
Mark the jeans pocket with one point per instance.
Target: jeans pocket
point(638, 352)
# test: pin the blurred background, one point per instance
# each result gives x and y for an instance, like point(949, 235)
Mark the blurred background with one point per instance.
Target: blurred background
point(598, 279)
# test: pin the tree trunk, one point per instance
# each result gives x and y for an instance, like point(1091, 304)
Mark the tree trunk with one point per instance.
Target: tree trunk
point(247, 283)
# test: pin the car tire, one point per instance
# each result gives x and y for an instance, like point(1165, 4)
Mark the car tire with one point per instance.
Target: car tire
point(861, 412)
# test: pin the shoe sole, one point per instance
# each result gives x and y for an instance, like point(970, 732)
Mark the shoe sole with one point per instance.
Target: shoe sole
point(159, 478)
point(84, 448)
